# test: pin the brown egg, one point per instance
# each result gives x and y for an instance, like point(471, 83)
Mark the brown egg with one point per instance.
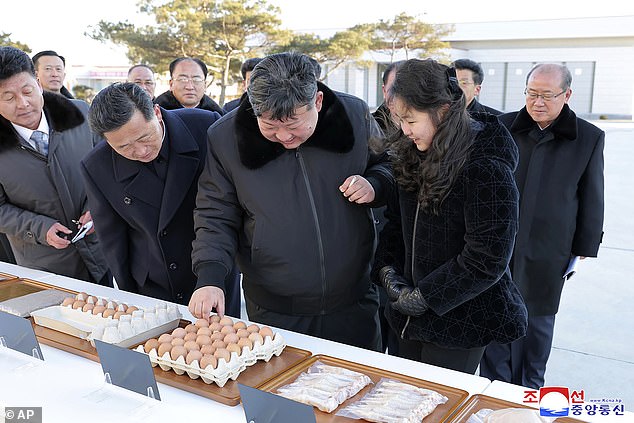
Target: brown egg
point(226, 321)
point(92, 299)
point(166, 337)
point(253, 328)
point(217, 336)
point(88, 307)
point(222, 353)
point(79, 304)
point(234, 348)
point(108, 312)
point(243, 333)
point(203, 340)
point(239, 325)
point(215, 327)
point(131, 309)
point(208, 360)
point(231, 338)
point(151, 344)
point(178, 351)
point(193, 355)
point(191, 345)
point(164, 348)
point(204, 331)
point(256, 338)
point(190, 336)
point(207, 349)
point(219, 344)
point(178, 342)
point(214, 318)
point(68, 302)
point(122, 307)
point(266, 331)
point(81, 296)
point(227, 329)
point(201, 323)
point(245, 342)
point(101, 302)
point(98, 309)
point(112, 304)
point(179, 333)
point(191, 328)
point(118, 314)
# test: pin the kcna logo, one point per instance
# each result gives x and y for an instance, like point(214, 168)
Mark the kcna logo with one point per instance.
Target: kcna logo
point(554, 401)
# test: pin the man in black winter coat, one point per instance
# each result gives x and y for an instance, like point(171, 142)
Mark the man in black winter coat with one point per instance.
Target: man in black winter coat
point(187, 87)
point(560, 179)
point(287, 190)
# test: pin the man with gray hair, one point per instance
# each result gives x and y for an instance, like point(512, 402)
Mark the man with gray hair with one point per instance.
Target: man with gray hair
point(287, 189)
point(560, 179)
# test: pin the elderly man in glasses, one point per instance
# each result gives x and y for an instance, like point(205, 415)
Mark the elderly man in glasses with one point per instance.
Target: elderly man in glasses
point(187, 87)
point(560, 179)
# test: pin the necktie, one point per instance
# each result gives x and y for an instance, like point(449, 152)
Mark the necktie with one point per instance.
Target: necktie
point(40, 143)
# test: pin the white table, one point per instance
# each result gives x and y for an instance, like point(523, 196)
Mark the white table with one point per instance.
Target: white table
point(71, 388)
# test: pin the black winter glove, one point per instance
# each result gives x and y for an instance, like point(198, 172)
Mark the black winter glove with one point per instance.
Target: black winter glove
point(410, 302)
point(392, 282)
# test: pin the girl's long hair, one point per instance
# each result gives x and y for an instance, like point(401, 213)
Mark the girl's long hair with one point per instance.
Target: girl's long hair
point(430, 87)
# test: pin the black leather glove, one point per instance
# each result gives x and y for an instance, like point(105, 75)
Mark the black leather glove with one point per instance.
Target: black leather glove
point(392, 282)
point(410, 302)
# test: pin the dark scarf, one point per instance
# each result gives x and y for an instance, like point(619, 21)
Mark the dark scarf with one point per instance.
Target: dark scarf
point(564, 127)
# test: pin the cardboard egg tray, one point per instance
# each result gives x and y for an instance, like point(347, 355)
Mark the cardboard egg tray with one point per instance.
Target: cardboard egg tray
point(224, 371)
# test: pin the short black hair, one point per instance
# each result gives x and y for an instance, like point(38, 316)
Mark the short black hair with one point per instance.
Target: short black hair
point(47, 53)
point(390, 68)
point(14, 61)
point(248, 65)
point(478, 73)
point(199, 62)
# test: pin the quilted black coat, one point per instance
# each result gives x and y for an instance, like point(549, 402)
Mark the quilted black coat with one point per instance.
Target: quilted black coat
point(459, 259)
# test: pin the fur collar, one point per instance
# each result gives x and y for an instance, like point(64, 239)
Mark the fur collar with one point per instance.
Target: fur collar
point(564, 127)
point(334, 132)
point(169, 102)
point(61, 113)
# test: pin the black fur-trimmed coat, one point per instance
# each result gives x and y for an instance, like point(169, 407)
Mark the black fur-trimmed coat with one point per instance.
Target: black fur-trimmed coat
point(37, 191)
point(459, 259)
point(302, 247)
point(169, 102)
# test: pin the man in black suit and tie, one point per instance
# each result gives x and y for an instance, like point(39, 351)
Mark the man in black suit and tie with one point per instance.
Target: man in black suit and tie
point(142, 184)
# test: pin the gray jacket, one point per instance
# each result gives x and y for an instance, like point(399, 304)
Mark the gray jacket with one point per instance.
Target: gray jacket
point(36, 191)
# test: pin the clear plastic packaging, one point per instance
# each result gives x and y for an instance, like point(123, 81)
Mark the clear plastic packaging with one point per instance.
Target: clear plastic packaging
point(392, 401)
point(325, 387)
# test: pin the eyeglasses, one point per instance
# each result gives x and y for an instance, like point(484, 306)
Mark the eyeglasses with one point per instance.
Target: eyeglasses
point(531, 95)
point(465, 82)
point(194, 79)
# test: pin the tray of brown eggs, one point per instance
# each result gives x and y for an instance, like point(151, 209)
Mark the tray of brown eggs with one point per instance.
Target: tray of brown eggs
point(210, 357)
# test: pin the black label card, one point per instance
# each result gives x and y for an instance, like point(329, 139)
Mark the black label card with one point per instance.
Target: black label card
point(265, 407)
point(17, 333)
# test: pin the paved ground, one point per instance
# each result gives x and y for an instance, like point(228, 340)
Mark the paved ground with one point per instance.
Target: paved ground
point(593, 347)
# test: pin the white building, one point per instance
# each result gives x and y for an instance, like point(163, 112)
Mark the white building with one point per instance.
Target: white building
point(598, 51)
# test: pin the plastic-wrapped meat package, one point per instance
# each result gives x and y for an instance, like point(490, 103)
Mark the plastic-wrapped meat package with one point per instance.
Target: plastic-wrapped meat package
point(391, 401)
point(324, 386)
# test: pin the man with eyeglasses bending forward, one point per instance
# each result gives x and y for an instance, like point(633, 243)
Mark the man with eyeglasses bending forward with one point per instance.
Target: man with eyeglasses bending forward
point(560, 178)
point(187, 87)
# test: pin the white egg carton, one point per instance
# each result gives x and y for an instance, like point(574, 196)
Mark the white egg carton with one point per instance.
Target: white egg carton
point(224, 371)
point(125, 332)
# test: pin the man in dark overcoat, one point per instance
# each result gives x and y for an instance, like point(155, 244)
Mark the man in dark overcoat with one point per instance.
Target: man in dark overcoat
point(560, 178)
point(43, 137)
point(142, 184)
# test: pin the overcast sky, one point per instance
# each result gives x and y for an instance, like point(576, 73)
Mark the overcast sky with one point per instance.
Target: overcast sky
point(59, 25)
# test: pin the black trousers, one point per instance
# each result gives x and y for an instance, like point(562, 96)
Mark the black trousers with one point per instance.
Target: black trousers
point(6, 253)
point(464, 360)
point(522, 362)
point(357, 324)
